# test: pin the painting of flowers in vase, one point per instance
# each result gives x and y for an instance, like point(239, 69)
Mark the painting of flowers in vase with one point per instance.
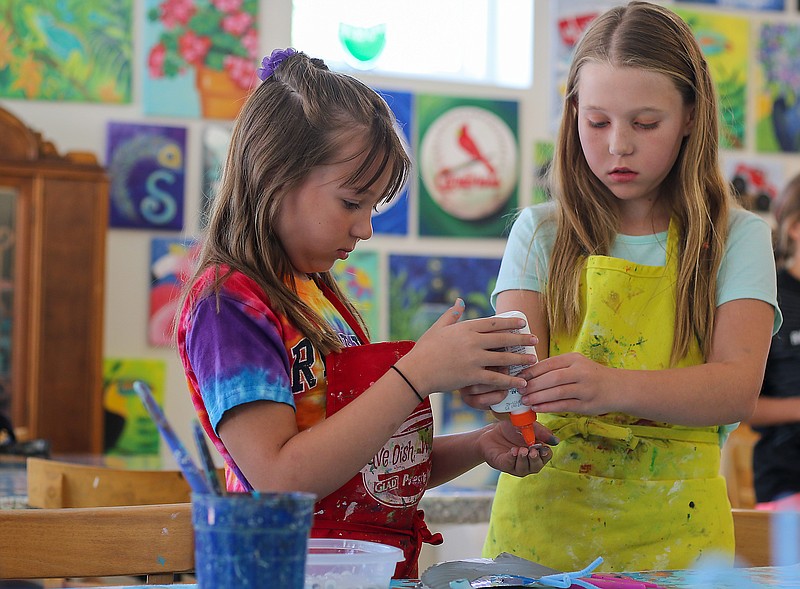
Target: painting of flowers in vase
point(201, 57)
point(778, 106)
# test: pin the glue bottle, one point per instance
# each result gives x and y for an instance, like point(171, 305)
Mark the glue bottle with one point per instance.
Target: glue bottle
point(522, 416)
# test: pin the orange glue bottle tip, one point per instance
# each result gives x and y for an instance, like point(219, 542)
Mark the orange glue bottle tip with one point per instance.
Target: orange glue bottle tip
point(524, 421)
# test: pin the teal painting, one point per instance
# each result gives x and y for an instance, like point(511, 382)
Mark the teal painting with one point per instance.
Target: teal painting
point(70, 50)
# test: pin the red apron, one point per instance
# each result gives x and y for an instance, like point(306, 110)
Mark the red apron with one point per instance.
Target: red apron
point(379, 504)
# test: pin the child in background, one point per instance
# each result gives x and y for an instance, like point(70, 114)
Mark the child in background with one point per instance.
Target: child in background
point(776, 456)
point(276, 357)
point(653, 298)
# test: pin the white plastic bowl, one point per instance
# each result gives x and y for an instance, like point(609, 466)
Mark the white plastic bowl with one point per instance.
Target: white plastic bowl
point(334, 563)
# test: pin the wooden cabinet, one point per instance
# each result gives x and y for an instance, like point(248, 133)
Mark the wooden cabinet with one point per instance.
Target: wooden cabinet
point(53, 223)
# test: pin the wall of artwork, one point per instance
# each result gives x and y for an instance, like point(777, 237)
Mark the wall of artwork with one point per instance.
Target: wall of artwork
point(151, 97)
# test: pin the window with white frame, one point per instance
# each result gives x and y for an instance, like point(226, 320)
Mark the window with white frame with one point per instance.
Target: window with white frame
point(473, 41)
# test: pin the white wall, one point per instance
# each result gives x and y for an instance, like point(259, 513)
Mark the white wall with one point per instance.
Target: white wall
point(82, 127)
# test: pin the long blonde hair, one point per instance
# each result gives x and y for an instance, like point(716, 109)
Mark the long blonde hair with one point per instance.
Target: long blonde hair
point(299, 118)
point(649, 37)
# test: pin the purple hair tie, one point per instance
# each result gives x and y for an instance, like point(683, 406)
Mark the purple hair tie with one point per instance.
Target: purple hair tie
point(270, 64)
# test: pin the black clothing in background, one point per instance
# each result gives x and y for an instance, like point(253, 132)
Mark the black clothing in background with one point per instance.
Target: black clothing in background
point(776, 457)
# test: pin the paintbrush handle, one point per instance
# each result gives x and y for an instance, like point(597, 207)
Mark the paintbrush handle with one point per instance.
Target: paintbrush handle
point(205, 458)
point(193, 475)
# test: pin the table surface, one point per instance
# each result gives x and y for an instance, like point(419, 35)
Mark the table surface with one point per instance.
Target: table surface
point(726, 578)
point(13, 494)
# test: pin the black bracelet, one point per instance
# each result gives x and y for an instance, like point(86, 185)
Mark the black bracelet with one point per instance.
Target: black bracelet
point(408, 382)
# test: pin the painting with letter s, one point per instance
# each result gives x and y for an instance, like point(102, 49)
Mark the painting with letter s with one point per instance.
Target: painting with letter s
point(146, 164)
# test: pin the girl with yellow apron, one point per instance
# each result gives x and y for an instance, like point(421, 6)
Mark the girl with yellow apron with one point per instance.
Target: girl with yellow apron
point(641, 494)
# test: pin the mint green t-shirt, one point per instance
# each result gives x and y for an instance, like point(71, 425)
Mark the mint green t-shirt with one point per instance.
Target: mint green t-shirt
point(747, 270)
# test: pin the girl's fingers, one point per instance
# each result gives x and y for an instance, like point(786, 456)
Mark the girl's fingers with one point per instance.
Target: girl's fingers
point(529, 460)
point(487, 399)
point(544, 434)
point(497, 324)
point(501, 381)
point(501, 360)
point(452, 315)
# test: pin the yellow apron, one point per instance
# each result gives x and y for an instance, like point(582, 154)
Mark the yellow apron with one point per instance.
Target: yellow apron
point(641, 494)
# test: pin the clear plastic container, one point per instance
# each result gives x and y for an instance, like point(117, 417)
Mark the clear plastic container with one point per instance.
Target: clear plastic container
point(334, 563)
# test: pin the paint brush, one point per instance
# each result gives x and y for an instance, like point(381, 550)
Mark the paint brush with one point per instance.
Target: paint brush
point(193, 475)
point(205, 459)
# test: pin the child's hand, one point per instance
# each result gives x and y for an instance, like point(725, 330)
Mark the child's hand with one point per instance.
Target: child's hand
point(482, 397)
point(453, 354)
point(503, 448)
point(571, 383)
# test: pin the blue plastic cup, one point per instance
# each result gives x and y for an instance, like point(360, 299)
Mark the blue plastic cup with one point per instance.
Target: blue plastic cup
point(256, 541)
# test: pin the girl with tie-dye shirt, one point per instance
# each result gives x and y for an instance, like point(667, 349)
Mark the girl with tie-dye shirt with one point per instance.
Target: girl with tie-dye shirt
point(278, 363)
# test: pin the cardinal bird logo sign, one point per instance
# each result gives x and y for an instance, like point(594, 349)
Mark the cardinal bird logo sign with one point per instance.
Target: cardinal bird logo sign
point(468, 169)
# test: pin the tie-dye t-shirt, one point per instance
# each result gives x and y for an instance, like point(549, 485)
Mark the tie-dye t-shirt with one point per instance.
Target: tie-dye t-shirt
point(235, 349)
